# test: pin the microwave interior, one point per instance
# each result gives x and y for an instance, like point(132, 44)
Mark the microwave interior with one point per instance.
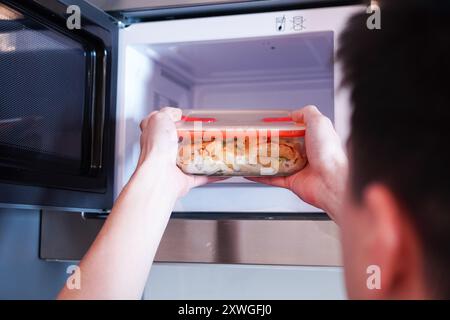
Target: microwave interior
point(285, 72)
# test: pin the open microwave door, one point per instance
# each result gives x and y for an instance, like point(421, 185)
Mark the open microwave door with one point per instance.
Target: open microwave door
point(57, 105)
point(132, 11)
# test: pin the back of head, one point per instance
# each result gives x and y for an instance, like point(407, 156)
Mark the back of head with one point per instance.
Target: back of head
point(399, 81)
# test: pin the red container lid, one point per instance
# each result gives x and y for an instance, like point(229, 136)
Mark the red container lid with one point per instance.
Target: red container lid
point(241, 121)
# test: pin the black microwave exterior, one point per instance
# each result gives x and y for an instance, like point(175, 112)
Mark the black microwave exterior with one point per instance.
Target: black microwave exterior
point(91, 190)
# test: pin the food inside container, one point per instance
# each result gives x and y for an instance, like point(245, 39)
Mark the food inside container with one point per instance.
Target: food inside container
point(240, 143)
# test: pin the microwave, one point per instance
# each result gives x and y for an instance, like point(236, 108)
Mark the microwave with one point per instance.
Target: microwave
point(71, 99)
point(57, 107)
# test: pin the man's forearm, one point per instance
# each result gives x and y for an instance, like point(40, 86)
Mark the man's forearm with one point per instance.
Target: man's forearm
point(118, 262)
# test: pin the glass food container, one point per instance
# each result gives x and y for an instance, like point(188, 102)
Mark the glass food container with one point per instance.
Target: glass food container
point(240, 143)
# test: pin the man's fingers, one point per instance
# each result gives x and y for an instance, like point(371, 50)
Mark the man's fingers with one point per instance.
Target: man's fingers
point(144, 121)
point(305, 114)
point(196, 181)
point(216, 179)
point(173, 113)
point(272, 181)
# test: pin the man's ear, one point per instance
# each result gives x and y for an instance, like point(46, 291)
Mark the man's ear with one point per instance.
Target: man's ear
point(393, 246)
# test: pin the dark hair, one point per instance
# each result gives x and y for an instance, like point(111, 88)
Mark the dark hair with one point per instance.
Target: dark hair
point(399, 82)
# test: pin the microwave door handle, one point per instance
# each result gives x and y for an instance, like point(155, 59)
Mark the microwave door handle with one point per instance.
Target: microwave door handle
point(97, 116)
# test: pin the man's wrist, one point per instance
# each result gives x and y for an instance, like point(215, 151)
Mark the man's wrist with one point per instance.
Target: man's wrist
point(162, 171)
point(334, 187)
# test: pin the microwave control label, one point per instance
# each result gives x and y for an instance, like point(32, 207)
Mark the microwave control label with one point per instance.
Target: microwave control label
point(280, 23)
point(298, 23)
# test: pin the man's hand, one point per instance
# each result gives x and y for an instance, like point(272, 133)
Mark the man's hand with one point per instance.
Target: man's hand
point(322, 182)
point(159, 147)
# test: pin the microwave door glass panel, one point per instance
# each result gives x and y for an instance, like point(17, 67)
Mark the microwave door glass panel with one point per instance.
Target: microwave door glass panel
point(42, 95)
